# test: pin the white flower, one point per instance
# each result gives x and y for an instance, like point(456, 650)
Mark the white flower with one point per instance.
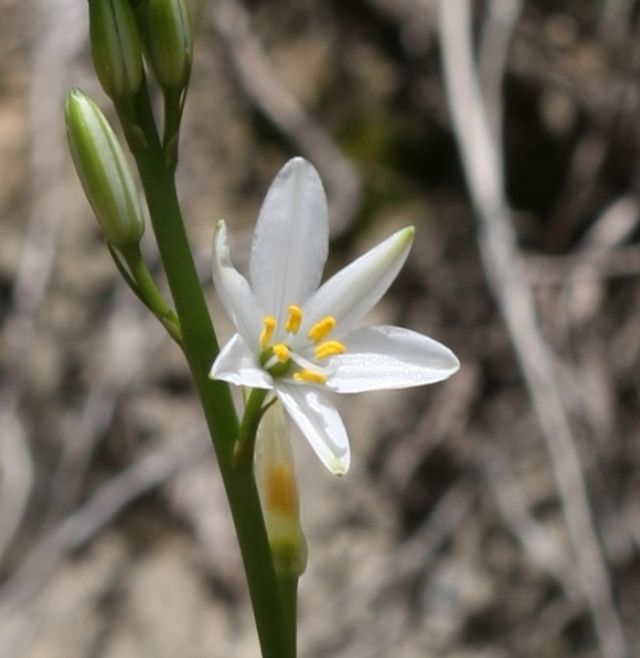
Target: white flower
point(299, 338)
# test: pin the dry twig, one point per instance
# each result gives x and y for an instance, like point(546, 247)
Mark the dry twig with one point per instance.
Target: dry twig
point(127, 351)
point(147, 473)
point(414, 555)
point(585, 265)
point(539, 545)
point(60, 42)
point(505, 272)
point(501, 19)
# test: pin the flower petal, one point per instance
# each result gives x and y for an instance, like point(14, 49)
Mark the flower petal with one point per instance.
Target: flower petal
point(291, 239)
point(320, 422)
point(237, 365)
point(353, 291)
point(386, 357)
point(233, 289)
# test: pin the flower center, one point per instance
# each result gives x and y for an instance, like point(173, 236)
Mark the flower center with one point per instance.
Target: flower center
point(276, 358)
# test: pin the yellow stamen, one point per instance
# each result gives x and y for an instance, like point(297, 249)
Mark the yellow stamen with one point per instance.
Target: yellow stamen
point(294, 320)
point(280, 491)
point(329, 348)
point(282, 352)
point(322, 328)
point(269, 327)
point(310, 376)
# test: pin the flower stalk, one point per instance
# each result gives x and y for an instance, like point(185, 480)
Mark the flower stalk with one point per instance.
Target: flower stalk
point(190, 323)
point(200, 346)
point(297, 341)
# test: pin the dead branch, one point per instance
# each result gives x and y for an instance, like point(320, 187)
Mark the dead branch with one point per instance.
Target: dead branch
point(413, 556)
point(538, 544)
point(148, 472)
point(500, 21)
point(506, 276)
point(543, 270)
point(130, 341)
point(60, 42)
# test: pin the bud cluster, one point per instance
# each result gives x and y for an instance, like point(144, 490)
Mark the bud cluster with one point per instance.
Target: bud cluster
point(162, 30)
point(121, 36)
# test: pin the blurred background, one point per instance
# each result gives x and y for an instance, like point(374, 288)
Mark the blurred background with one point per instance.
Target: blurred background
point(495, 515)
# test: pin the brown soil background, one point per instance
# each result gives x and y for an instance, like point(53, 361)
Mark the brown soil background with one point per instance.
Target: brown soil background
point(448, 537)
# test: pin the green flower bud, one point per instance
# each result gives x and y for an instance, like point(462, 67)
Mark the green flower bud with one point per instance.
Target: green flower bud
point(169, 42)
point(103, 171)
point(115, 46)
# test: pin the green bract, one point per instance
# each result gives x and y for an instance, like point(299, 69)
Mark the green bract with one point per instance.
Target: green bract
point(169, 42)
point(103, 171)
point(116, 47)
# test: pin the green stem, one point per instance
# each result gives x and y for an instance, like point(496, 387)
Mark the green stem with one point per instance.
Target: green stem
point(147, 291)
point(289, 596)
point(172, 117)
point(253, 412)
point(200, 347)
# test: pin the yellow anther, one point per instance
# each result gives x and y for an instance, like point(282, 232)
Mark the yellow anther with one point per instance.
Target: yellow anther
point(322, 328)
point(310, 376)
point(294, 320)
point(329, 348)
point(269, 323)
point(282, 352)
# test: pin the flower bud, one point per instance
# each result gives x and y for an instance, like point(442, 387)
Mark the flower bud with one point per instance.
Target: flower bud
point(169, 42)
point(275, 477)
point(103, 171)
point(116, 47)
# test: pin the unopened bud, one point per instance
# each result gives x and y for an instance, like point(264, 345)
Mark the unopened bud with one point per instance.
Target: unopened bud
point(275, 477)
point(169, 42)
point(103, 171)
point(116, 47)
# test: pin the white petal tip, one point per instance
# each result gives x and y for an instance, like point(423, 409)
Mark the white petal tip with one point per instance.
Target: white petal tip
point(408, 232)
point(453, 363)
point(404, 237)
point(339, 470)
point(339, 467)
point(299, 167)
point(297, 162)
